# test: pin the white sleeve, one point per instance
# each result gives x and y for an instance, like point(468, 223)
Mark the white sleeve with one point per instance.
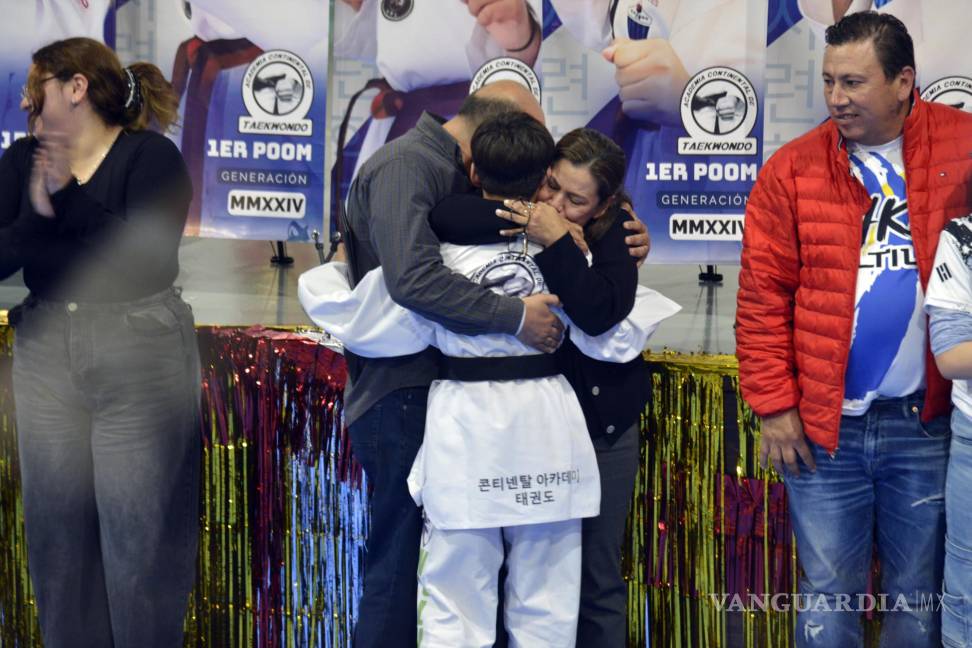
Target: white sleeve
point(366, 320)
point(296, 25)
point(627, 339)
point(355, 33)
point(950, 284)
point(589, 21)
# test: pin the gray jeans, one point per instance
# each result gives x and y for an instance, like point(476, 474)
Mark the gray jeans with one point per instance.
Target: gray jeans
point(107, 399)
point(603, 620)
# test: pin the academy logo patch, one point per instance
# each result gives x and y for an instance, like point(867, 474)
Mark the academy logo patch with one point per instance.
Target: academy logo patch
point(513, 274)
point(506, 68)
point(719, 110)
point(954, 91)
point(278, 90)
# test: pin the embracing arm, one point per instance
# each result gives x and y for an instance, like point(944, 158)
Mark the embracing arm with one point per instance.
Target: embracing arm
point(364, 319)
point(598, 296)
point(399, 204)
point(467, 219)
point(625, 341)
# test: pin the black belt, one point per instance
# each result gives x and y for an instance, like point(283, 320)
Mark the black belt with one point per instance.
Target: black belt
point(507, 368)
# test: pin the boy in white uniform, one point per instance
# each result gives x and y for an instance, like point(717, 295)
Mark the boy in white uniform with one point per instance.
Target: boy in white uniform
point(949, 307)
point(506, 457)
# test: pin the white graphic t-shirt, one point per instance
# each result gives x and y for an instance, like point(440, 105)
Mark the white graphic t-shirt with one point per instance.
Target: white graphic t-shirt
point(887, 354)
point(950, 286)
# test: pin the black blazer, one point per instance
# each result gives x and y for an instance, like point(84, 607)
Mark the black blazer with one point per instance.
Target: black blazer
point(596, 298)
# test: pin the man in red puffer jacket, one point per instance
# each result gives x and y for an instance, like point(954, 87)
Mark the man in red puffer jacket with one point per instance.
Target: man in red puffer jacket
point(841, 231)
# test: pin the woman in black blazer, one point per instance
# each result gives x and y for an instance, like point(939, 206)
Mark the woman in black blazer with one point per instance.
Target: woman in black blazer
point(583, 192)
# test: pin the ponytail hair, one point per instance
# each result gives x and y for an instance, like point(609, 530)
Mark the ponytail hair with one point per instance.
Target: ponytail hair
point(154, 103)
point(136, 98)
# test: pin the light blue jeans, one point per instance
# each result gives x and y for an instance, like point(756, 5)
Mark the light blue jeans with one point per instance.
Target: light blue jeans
point(107, 399)
point(883, 489)
point(957, 599)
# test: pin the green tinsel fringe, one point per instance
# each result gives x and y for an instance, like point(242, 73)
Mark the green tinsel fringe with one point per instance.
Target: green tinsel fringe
point(679, 489)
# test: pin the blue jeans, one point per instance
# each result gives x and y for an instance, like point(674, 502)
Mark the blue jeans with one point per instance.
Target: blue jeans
point(884, 488)
point(107, 399)
point(957, 599)
point(385, 440)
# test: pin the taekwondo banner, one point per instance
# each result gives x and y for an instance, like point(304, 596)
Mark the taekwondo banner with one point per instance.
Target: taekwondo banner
point(795, 100)
point(28, 26)
point(252, 80)
point(395, 58)
point(679, 85)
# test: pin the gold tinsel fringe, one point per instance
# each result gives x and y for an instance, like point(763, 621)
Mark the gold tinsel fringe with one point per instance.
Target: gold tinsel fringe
point(680, 495)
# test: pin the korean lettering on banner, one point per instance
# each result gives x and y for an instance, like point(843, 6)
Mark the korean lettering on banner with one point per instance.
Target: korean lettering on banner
point(252, 81)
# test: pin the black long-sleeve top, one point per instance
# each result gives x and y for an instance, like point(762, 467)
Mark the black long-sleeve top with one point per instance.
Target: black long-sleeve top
point(115, 238)
point(596, 297)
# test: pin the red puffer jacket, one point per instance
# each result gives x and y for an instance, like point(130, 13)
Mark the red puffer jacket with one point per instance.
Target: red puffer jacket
point(801, 251)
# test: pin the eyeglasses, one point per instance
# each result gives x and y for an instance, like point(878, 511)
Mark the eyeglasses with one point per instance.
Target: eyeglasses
point(25, 92)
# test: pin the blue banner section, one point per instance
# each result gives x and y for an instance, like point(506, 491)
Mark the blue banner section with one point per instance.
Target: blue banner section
point(783, 14)
point(683, 98)
point(252, 79)
point(255, 153)
point(252, 85)
point(551, 21)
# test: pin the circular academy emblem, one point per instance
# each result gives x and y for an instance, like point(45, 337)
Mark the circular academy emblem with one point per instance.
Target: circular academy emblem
point(718, 102)
point(506, 68)
point(278, 90)
point(278, 84)
point(955, 91)
point(718, 109)
point(513, 274)
point(395, 10)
